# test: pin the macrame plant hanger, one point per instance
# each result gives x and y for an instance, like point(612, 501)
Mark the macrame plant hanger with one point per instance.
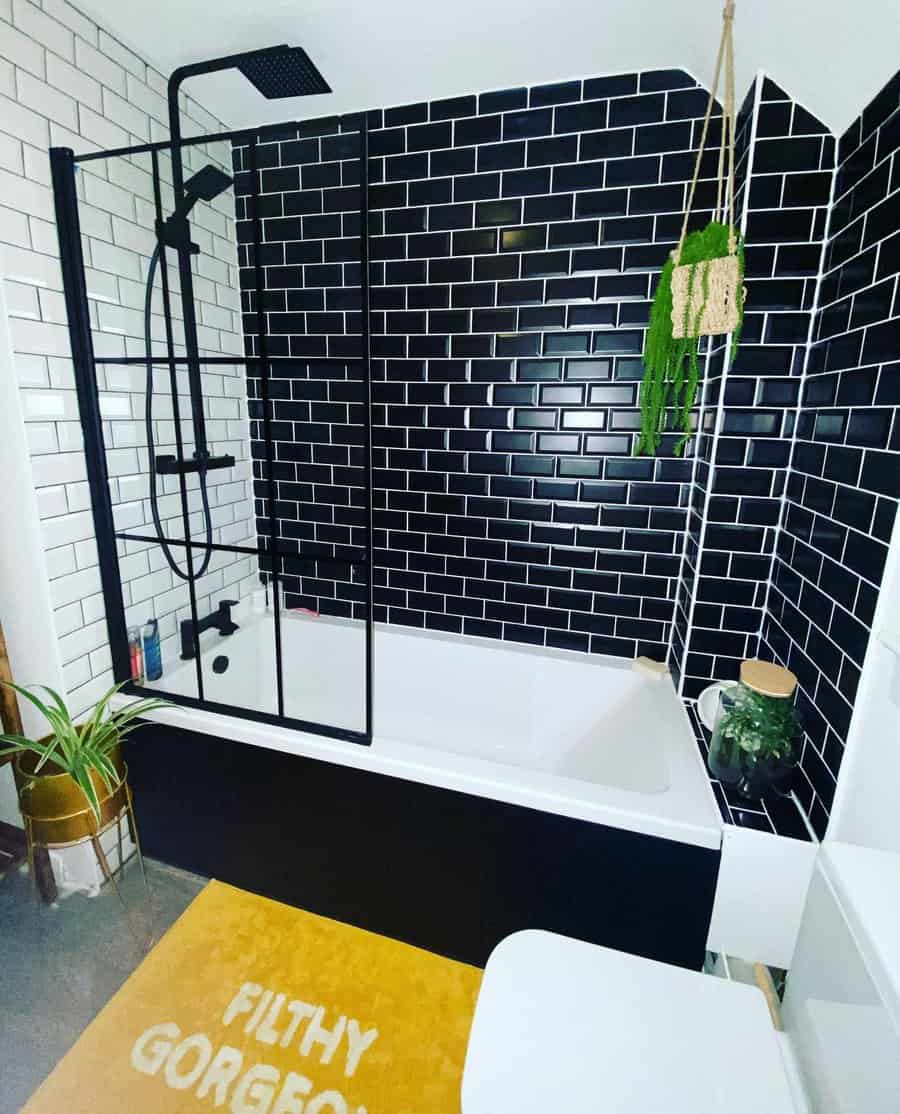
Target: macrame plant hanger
point(700, 291)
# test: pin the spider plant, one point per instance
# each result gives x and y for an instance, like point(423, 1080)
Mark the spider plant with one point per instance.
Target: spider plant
point(79, 749)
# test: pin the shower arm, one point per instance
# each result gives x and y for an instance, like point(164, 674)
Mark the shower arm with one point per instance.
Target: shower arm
point(184, 249)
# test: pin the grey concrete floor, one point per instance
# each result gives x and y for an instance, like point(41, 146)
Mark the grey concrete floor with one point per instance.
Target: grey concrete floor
point(60, 966)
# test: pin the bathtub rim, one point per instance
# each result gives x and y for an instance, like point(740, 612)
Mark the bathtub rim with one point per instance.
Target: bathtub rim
point(682, 820)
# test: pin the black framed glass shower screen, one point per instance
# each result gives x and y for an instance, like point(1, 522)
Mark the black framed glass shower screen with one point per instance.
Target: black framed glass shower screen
point(289, 663)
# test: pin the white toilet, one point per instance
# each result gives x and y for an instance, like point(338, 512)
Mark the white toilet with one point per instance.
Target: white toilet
point(564, 1027)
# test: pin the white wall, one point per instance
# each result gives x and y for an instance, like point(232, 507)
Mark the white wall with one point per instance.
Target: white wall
point(28, 629)
point(65, 81)
point(834, 55)
point(865, 805)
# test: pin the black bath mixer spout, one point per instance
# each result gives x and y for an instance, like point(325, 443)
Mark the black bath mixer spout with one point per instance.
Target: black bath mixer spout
point(220, 619)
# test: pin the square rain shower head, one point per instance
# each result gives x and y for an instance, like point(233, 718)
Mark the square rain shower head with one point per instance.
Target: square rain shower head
point(285, 71)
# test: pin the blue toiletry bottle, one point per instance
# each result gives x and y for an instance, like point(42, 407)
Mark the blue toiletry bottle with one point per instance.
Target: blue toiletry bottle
point(152, 650)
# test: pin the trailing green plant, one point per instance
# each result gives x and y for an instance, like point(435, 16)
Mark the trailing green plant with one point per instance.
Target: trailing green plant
point(78, 749)
point(761, 726)
point(671, 366)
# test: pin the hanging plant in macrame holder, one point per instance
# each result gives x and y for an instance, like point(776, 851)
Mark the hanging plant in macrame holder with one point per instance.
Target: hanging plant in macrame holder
point(701, 288)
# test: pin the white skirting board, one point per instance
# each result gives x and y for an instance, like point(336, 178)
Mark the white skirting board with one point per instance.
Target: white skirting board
point(761, 891)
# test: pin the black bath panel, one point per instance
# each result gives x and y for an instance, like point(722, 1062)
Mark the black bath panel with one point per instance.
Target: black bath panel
point(446, 871)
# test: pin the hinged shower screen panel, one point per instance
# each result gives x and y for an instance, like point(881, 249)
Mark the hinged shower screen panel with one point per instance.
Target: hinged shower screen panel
point(209, 432)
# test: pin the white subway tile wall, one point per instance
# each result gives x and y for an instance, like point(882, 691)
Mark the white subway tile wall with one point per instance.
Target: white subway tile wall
point(64, 81)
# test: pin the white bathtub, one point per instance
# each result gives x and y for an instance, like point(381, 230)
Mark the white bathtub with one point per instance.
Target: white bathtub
point(580, 736)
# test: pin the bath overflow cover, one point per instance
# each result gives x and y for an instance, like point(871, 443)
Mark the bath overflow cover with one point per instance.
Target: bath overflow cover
point(220, 664)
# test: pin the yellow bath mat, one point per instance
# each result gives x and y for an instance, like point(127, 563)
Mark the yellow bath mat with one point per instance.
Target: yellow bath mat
point(251, 1007)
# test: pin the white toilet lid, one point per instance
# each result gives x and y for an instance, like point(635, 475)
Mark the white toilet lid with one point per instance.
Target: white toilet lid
point(564, 1027)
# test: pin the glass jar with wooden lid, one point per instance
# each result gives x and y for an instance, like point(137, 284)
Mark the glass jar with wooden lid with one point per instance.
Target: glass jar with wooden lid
point(756, 736)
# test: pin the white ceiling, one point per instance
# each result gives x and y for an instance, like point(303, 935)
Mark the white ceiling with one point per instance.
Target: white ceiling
point(832, 56)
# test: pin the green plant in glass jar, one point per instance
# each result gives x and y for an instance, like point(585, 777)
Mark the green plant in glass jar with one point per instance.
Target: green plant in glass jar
point(755, 739)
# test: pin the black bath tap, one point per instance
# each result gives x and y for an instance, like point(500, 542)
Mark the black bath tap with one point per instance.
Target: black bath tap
point(220, 619)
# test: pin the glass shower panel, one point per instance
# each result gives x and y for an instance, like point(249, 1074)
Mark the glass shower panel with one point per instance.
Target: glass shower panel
point(308, 399)
point(322, 521)
point(323, 641)
point(148, 423)
point(154, 601)
point(265, 547)
point(235, 634)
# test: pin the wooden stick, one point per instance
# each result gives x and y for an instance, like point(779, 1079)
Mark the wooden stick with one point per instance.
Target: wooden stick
point(11, 721)
point(764, 982)
point(10, 718)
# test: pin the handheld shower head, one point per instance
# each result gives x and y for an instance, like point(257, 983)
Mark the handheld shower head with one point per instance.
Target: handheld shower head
point(207, 183)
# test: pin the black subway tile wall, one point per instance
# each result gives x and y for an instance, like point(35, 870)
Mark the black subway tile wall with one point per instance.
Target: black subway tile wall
point(749, 414)
point(515, 240)
point(748, 419)
point(844, 483)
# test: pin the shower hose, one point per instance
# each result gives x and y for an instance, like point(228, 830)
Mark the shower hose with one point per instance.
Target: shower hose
point(191, 574)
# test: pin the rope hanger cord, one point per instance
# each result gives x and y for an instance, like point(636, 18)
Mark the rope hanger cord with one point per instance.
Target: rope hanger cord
point(726, 55)
point(700, 290)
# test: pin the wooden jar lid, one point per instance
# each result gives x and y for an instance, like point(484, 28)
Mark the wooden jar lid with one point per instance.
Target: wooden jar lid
point(767, 678)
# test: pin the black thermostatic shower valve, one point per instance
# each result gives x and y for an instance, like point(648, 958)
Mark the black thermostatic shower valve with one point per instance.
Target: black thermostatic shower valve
point(175, 232)
point(172, 466)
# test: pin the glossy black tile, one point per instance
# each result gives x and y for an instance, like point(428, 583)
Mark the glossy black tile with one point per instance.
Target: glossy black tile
point(618, 85)
point(609, 144)
point(461, 161)
point(407, 114)
point(548, 152)
point(503, 100)
point(553, 207)
point(452, 107)
point(583, 117)
point(479, 129)
point(646, 109)
point(518, 183)
point(633, 172)
point(535, 122)
point(688, 104)
point(501, 156)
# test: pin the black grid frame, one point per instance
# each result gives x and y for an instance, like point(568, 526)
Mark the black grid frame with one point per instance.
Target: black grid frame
point(270, 554)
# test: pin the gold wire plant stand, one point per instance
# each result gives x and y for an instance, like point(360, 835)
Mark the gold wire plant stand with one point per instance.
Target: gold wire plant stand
point(56, 814)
